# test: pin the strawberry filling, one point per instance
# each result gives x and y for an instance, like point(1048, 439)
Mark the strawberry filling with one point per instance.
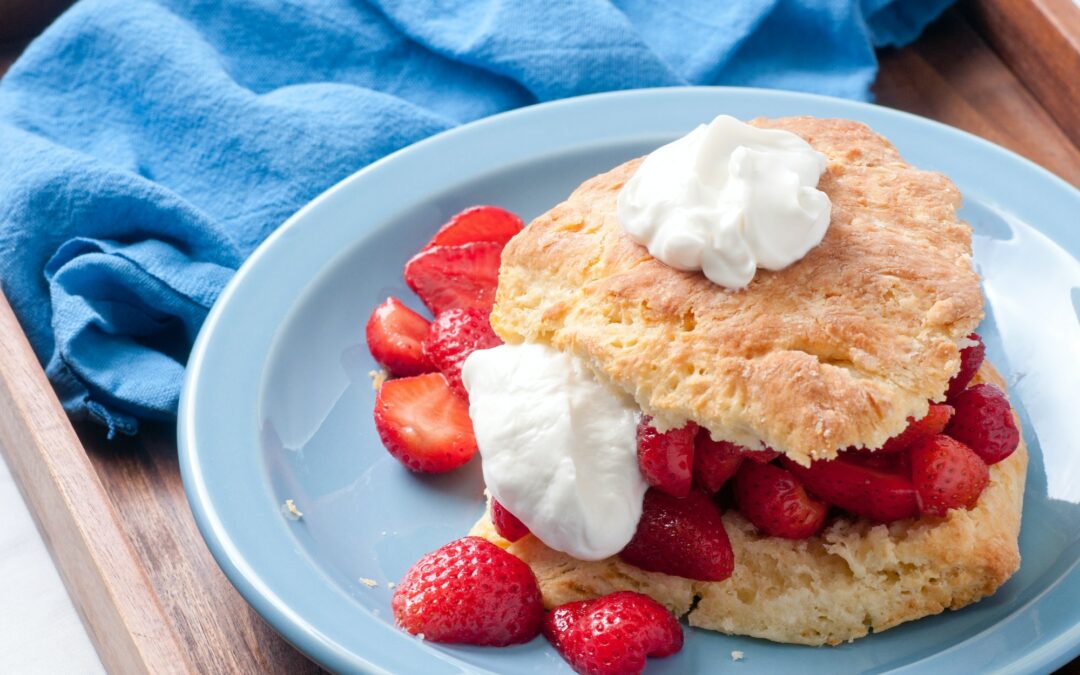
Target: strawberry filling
point(937, 464)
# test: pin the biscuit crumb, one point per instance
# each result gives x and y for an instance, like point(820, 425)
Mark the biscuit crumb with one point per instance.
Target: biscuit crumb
point(736, 655)
point(370, 583)
point(420, 635)
point(378, 377)
point(390, 584)
point(290, 511)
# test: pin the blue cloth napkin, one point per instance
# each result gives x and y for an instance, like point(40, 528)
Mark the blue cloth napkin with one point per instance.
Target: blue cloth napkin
point(147, 147)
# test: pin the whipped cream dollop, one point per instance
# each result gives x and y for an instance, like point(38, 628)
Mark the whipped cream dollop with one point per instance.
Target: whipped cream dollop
point(726, 199)
point(559, 447)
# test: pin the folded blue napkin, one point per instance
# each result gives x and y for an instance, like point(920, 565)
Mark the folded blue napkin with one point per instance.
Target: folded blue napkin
point(146, 148)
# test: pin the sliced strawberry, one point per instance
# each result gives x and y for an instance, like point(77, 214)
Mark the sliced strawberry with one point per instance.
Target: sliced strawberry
point(715, 462)
point(451, 277)
point(684, 537)
point(470, 592)
point(478, 223)
point(423, 424)
point(394, 337)
point(984, 422)
point(666, 459)
point(454, 335)
point(970, 360)
point(776, 503)
point(918, 429)
point(613, 634)
point(507, 524)
point(947, 475)
point(760, 456)
point(863, 490)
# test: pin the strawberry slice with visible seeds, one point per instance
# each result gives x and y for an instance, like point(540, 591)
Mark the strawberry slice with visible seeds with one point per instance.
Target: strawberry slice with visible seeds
point(715, 462)
point(684, 537)
point(984, 422)
point(470, 591)
point(666, 459)
point(879, 495)
point(971, 358)
point(931, 424)
point(423, 424)
point(452, 277)
point(478, 223)
point(947, 475)
point(507, 524)
point(395, 335)
point(613, 634)
point(774, 500)
point(454, 335)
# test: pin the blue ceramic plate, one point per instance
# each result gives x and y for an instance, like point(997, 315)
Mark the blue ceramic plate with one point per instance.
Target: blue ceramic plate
point(277, 403)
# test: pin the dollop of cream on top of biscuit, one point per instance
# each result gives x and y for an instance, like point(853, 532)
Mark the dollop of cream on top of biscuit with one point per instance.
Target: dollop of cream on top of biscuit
point(726, 199)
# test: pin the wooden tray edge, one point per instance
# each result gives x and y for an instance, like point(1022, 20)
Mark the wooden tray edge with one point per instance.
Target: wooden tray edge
point(110, 590)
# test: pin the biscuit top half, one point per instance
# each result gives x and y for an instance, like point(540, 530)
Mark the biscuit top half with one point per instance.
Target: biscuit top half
point(834, 351)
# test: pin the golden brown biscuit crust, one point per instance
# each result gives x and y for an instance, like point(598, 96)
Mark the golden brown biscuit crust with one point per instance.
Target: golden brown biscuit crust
point(837, 350)
point(838, 586)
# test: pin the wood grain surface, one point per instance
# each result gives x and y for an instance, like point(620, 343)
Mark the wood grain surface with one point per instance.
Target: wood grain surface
point(114, 513)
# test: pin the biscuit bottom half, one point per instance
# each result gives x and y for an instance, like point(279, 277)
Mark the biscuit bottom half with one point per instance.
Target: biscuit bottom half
point(853, 578)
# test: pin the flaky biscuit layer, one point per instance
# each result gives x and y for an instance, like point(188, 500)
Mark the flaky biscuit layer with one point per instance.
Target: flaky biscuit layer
point(837, 350)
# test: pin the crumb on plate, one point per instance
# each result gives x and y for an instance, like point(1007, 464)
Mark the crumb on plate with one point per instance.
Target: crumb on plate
point(290, 510)
point(370, 583)
point(736, 655)
point(378, 377)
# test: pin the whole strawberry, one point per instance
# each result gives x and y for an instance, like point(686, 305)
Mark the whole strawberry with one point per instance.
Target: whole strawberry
point(984, 422)
point(684, 537)
point(666, 459)
point(507, 524)
point(454, 335)
point(947, 475)
point(614, 634)
point(971, 357)
point(470, 592)
point(776, 503)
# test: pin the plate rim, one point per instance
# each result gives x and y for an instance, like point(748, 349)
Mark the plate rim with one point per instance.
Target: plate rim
point(1052, 651)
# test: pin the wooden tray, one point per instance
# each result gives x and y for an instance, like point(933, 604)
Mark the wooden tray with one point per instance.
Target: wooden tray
point(114, 514)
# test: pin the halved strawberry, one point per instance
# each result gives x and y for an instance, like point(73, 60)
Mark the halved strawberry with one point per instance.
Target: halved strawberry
point(684, 537)
point(454, 335)
point(394, 336)
point(971, 358)
point(478, 223)
point(863, 490)
point(715, 462)
point(451, 277)
point(423, 424)
point(984, 422)
point(918, 429)
point(666, 459)
point(776, 503)
point(947, 475)
point(507, 524)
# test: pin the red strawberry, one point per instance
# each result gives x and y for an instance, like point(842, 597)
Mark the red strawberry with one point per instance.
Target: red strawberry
point(449, 277)
point(715, 462)
point(507, 524)
point(760, 456)
point(684, 537)
point(472, 592)
point(970, 360)
point(394, 336)
point(666, 459)
point(479, 223)
point(614, 634)
point(919, 429)
point(776, 503)
point(423, 424)
point(984, 422)
point(863, 490)
point(454, 335)
point(947, 475)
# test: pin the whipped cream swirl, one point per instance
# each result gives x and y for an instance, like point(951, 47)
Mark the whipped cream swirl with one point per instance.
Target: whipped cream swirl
point(726, 199)
point(559, 447)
